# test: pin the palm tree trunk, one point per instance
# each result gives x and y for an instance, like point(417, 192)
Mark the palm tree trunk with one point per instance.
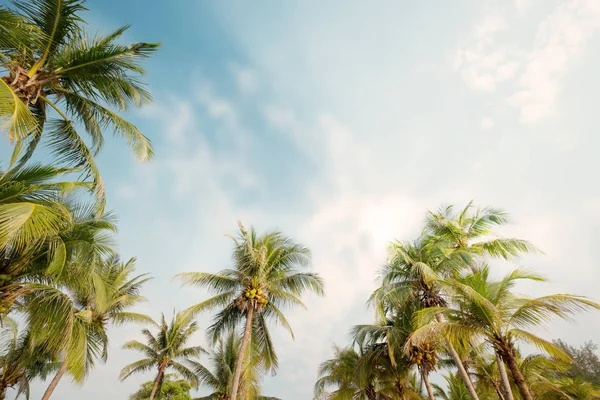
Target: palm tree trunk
point(461, 368)
point(237, 373)
point(504, 378)
point(2, 391)
point(59, 374)
point(428, 386)
point(161, 371)
point(518, 377)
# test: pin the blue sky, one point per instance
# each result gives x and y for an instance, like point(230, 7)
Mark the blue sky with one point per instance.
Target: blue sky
point(340, 123)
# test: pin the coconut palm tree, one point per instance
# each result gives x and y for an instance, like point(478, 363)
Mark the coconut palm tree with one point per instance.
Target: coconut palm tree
point(340, 374)
point(223, 360)
point(20, 362)
point(410, 278)
point(489, 310)
point(167, 349)
point(386, 341)
point(111, 292)
point(266, 276)
point(36, 275)
point(31, 217)
point(57, 77)
point(395, 380)
point(455, 390)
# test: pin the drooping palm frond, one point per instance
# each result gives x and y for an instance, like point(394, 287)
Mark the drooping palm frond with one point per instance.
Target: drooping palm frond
point(15, 116)
point(58, 20)
point(532, 312)
point(51, 61)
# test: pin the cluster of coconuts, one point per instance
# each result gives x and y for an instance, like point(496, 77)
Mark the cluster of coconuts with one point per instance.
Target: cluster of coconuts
point(424, 354)
point(257, 295)
point(5, 306)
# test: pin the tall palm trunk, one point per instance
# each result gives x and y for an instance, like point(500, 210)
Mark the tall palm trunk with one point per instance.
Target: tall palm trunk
point(161, 371)
point(461, 368)
point(59, 374)
point(425, 377)
point(3, 389)
point(239, 363)
point(504, 378)
point(511, 361)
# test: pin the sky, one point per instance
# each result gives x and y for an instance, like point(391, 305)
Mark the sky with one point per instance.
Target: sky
point(340, 123)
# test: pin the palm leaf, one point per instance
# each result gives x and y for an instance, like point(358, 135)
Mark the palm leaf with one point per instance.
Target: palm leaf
point(15, 116)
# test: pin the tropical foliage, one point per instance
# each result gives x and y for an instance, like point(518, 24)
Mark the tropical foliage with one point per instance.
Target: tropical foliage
point(56, 78)
point(218, 380)
point(172, 389)
point(267, 275)
point(167, 349)
point(438, 308)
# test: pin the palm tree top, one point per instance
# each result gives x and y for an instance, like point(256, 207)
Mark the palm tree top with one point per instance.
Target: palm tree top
point(267, 275)
point(167, 348)
point(58, 77)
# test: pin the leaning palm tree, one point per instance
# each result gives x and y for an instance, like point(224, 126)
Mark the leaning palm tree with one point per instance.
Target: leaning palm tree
point(409, 279)
point(265, 277)
point(57, 77)
point(223, 360)
point(112, 290)
point(20, 362)
point(489, 310)
point(167, 349)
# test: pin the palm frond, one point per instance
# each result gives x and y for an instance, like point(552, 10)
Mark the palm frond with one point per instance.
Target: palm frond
point(532, 312)
point(15, 117)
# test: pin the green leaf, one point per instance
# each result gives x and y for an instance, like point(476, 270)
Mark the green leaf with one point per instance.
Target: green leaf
point(15, 117)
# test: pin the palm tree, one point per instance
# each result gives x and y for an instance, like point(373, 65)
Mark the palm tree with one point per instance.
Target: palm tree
point(43, 276)
point(394, 375)
point(341, 374)
point(172, 388)
point(386, 340)
point(112, 290)
point(456, 389)
point(167, 349)
point(410, 278)
point(57, 76)
point(489, 310)
point(19, 362)
point(219, 380)
point(265, 277)
point(31, 217)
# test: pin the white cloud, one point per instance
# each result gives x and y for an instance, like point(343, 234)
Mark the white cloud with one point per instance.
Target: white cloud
point(216, 106)
point(534, 76)
point(487, 123)
point(482, 63)
point(522, 6)
point(245, 78)
point(560, 39)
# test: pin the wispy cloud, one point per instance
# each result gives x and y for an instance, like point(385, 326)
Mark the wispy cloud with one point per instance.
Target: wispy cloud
point(533, 76)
